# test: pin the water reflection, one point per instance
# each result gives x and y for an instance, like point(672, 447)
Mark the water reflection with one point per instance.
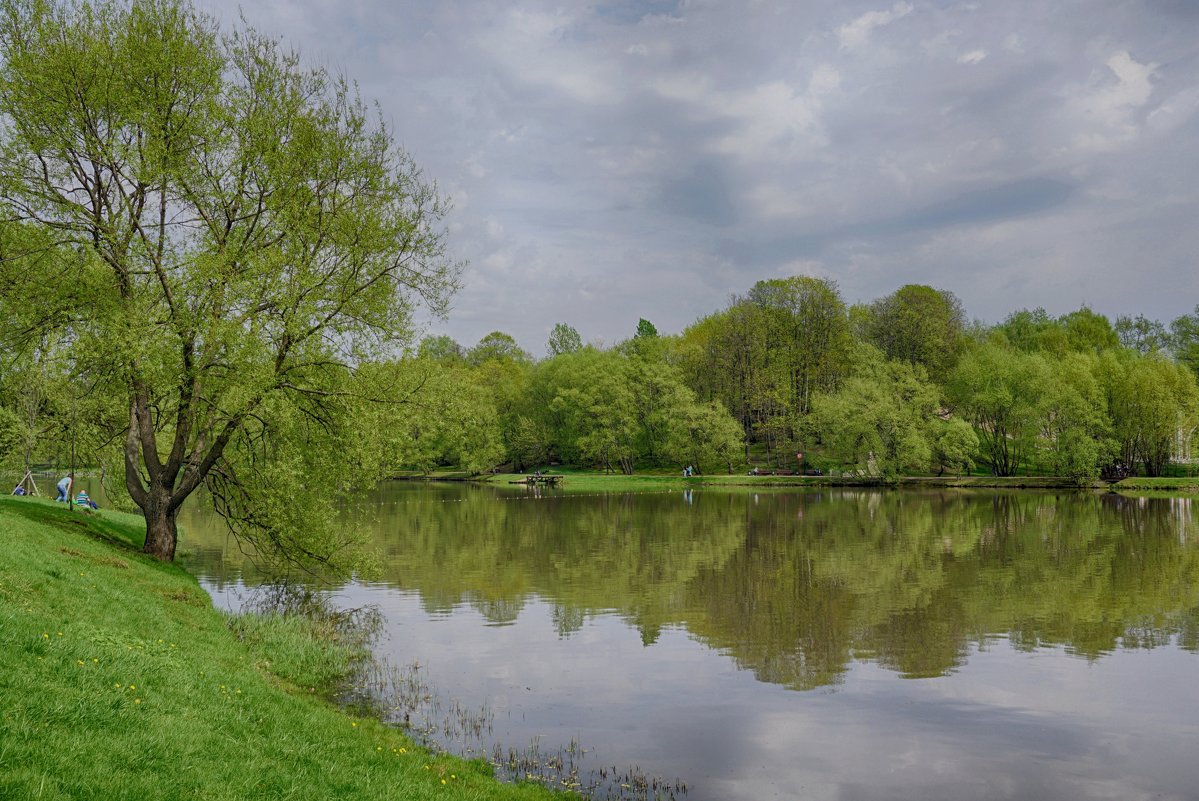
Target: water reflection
point(674, 628)
point(796, 586)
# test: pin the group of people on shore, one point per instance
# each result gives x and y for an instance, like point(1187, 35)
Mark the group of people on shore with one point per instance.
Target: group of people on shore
point(64, 485)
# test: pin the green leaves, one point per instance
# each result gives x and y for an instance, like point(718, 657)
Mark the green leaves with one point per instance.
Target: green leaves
point(225, 234)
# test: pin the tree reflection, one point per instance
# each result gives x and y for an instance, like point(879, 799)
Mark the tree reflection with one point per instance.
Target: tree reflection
point(795, 586)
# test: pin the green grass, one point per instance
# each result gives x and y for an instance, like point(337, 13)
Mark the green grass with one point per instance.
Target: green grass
point(1178, 484)
point(118, 680)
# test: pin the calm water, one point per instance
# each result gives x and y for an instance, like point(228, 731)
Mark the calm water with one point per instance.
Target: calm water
point(813, 645)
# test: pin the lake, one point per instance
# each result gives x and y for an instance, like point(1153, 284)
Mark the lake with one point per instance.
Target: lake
point(833, 644)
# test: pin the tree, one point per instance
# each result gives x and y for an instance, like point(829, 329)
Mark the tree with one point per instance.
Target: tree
point(808, 332)
point(1000, 391)
point(224, 235)
point(1088, 331)
point(497, 346)
point(441, 348)
point(1142, 334)
point(919, 325)
point(954, 444)
point(443, 416)
point(879, 422)
point(1185, 333)
point(1152, 401)
point(1074, 417)
point(703, 433)
point(563, 339)
point(646, 329)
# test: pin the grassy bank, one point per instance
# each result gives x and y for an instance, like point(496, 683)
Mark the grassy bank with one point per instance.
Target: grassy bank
point(1172, 485)
point(581, 481)
point(119, 680)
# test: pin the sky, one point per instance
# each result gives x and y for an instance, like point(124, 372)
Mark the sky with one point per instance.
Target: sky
point(621, 159)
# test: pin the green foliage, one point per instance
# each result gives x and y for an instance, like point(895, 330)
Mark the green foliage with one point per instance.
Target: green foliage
point(563, 339)
point(807, 328)
point(880, 422)
point(919, 325)
point(1083, 331)
point(645, 329)
point(1152, 403)
point(954, 445)
point(1184, 333)
point(441, 414)
point(497, 347)
point(999, 390)
point(441, 348)
point(222, 236)
point(1074, 423)
point(1142, 334)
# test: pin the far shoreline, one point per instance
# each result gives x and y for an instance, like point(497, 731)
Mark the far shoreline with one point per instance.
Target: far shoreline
point(587, 481)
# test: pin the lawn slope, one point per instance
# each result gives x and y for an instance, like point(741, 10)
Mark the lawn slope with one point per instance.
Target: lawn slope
point(118, 680)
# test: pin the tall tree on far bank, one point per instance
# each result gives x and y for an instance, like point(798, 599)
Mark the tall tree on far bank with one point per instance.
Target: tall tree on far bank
point(563, 339)
point(229, 235)
point(808, 330)
point(1142, 334)
point(1000, 390)
point(1185, 340)
point(920, 325)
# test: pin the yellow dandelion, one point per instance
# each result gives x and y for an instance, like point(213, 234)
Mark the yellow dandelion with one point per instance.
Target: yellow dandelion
point(443, 781)
point(80, 661)
point(132, 687)
point(137, 700)
point(354, 723)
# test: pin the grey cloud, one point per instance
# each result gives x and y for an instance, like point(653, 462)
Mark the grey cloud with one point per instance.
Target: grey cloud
point(702, 194)
point(604, 155)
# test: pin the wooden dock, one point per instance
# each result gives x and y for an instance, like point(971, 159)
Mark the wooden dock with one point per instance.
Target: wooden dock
point(542, 481)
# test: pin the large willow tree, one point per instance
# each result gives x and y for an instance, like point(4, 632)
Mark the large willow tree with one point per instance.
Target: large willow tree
point(223, 235)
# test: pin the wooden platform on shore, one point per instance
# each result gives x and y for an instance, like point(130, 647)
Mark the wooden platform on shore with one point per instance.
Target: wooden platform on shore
point(546, 481)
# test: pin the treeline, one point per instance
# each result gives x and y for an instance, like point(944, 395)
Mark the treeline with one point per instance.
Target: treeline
point(903, 385)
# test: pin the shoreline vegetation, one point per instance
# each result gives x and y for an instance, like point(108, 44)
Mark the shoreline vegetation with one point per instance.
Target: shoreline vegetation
point(122, 681)
point(583, 481)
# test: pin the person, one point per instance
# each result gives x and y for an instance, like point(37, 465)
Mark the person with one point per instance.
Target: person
point(19, 490)
point(82, 499)
point(64, 488)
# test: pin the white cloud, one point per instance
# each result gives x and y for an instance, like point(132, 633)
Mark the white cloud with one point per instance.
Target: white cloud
point(855, 35)
point(973, 57)
point(1107, 109)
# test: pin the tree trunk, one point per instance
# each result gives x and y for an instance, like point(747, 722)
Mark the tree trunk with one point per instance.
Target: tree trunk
point(162, 532)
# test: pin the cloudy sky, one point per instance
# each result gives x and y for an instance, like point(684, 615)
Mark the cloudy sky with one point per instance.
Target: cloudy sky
point(619, 159)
